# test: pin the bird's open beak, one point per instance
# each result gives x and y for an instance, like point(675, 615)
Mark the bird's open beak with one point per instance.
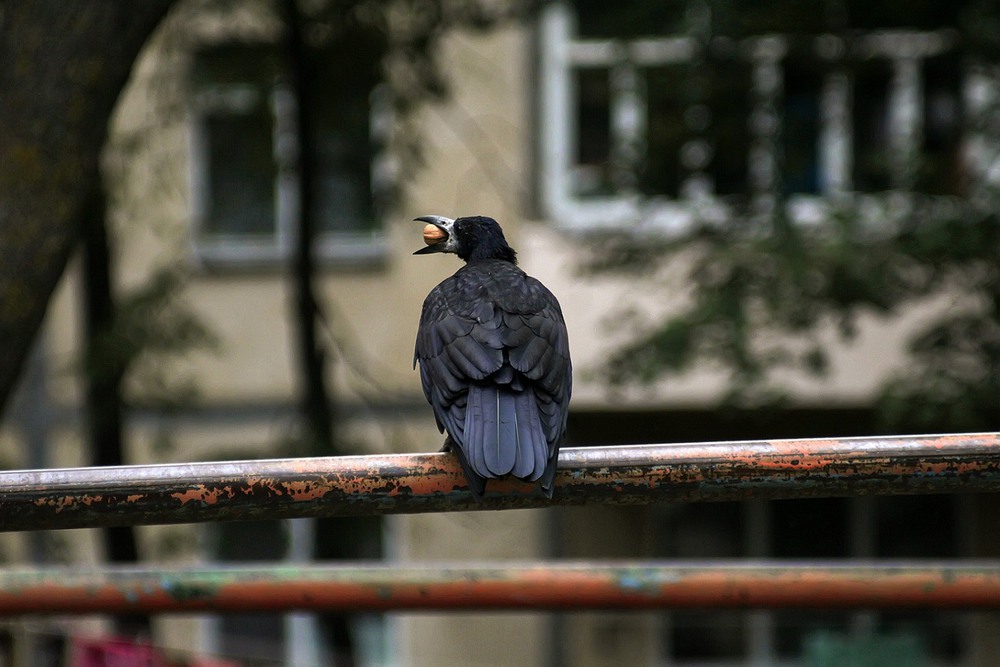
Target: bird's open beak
point(437, 241)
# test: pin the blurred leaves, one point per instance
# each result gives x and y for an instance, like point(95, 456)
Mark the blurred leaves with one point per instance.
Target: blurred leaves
point(151, 323)
point(793, 282)
point(764, 293)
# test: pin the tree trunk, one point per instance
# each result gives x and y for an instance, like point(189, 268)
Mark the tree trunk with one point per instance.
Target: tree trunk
point(316, 401)
point(104, 376)
point(62, 67)
point(317, 408)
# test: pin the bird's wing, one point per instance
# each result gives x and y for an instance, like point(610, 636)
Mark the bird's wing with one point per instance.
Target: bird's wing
point(454, 349)
point(538, 346)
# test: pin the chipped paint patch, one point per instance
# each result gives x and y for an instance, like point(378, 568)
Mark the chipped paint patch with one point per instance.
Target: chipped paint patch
point(413, 483)
point(308, 490)
point(202, 494)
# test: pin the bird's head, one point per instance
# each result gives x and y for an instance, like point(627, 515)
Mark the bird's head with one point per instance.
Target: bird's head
point(439, 234)
point(471, 238)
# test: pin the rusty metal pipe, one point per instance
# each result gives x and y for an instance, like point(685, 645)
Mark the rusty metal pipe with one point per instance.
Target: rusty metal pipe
point(526, 586)
point(411, 483)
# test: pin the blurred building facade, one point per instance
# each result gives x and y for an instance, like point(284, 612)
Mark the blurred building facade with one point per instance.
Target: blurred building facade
point(586, 119)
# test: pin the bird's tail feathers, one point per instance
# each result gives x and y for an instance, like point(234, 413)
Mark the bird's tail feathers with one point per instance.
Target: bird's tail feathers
point(547, 480)
point(504, 433)
point(477, 483)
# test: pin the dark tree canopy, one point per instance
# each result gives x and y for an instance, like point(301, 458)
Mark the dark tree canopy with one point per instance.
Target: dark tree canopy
point(61, 70)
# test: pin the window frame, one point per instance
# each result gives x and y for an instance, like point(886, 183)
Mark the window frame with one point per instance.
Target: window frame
point(562, 51)
point(341, 249)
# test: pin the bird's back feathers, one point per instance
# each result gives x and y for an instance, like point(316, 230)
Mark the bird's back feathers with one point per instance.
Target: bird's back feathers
point(494, 364)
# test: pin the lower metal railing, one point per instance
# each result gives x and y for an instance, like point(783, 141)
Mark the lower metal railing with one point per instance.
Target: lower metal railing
point(640, 474)
point(512, 586)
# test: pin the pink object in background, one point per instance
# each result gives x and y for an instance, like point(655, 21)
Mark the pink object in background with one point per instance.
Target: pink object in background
point(114, 652)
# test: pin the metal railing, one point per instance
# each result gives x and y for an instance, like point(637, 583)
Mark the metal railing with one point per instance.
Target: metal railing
point(412, 483)
point(640, 474)
point(511, 586)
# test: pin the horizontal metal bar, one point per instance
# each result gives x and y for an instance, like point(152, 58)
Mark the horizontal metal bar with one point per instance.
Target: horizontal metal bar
point(410, 483)
point(559, 586)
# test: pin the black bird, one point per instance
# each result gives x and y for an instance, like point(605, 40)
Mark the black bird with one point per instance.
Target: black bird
point(494, 357)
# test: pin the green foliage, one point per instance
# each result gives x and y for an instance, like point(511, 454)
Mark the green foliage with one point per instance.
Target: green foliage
point(955, 379)
point(792, 282)
point(761, 293)
point(151, 323)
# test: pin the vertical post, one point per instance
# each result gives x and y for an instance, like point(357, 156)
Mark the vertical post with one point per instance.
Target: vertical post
point(318, 415)
point(558, 125)
point(835, 134)
point(696, 153)
point(302, 644)
point(628, 125)
point(862, 517)
point(905, 119)
point(760, 622)
point(317, 410)
point(767, 90)
point(36, 426)
point(105, 373)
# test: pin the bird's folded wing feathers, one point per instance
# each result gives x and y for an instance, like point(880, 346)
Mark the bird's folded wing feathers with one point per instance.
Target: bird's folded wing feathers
point(452, 350)
point(512, 339)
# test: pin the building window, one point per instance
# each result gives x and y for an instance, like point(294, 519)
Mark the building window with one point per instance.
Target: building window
point(655, 114)
point(244, 139)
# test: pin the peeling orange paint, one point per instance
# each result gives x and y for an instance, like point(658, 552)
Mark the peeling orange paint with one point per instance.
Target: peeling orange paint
point(407, 483)
point(203, 495)
point(308, 490)
point(59, 503)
